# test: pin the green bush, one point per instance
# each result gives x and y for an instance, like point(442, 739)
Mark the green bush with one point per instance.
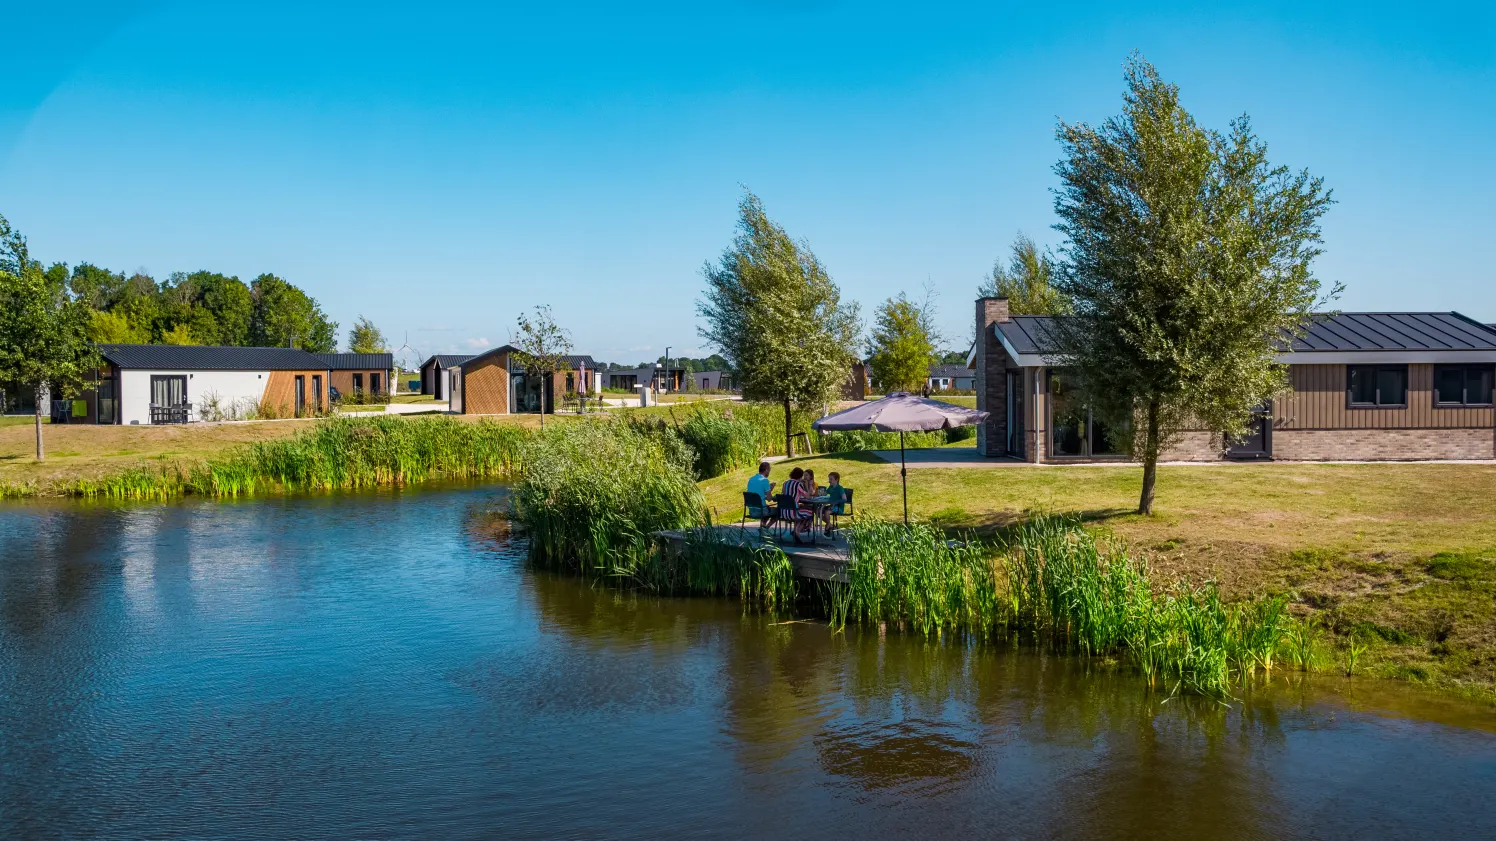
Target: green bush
point(858, 440)
point(721, 444)
point(593, 492)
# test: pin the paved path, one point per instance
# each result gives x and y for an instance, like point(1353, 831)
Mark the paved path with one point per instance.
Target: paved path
point(966, 457)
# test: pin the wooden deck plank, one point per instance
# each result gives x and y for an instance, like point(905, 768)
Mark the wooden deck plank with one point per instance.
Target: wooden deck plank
point(824, 561)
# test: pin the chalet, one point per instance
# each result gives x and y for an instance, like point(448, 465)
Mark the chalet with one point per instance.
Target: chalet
point(435, 376)
point(671, 379)
point(1364, 387)
point(154, 384)
point(492, 384)
point(358, 373)
point(950, 378)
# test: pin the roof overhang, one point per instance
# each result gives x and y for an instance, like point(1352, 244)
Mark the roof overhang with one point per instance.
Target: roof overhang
point(1024, 360)
point(1386, 357)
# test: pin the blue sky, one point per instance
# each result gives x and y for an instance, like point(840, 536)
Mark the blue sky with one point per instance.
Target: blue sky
point(439, 167)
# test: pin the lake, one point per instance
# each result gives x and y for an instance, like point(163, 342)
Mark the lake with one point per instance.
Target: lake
point(384, 666)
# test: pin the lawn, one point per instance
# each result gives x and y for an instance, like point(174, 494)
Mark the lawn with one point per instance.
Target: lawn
point(1402, 556)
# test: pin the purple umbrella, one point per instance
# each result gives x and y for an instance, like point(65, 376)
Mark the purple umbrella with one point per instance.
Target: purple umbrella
point(901, 412)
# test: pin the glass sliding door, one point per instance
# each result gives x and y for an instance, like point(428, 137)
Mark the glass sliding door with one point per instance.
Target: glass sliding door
point(1075, 431)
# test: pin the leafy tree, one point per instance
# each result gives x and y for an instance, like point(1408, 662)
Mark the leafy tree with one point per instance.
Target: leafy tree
point(774, 313)
point(284, 315)
point(181, 334)
point(952, 357)
point(114, 329)
point(543, 346)
point(1027, 281)
point(902, 347)
point(43, 330)
point(366, 338)
point(221, 307)
point(99, 288)
point(1188, 260)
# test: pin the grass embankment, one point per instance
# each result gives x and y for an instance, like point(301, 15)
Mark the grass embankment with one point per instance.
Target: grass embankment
point(228, 460)
point(1400, 558)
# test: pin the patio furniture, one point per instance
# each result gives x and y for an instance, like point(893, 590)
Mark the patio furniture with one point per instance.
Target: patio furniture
point(901, 412)
point(787, 510)
point(845, 512)
point(753, 506)
point(179, 413)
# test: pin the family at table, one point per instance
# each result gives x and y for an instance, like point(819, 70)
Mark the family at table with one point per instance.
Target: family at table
point(807, 501)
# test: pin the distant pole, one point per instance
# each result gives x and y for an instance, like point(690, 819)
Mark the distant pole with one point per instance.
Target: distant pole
point(904, 477)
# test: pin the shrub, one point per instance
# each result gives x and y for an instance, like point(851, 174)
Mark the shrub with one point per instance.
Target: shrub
point(721, 444)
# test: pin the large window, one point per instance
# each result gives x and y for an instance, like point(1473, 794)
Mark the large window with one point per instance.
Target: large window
point(358, 383)
point(1463, 385)
point(169, 390)
point(1074, 431)
point(1382, 386)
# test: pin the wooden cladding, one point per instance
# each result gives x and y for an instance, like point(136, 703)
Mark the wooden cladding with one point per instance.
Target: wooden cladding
point(279, 397)
point(485, 386)
point(1319, 401)
point(343, 381)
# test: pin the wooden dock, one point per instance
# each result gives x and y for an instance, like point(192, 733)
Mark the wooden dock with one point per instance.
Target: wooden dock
point(826, 560)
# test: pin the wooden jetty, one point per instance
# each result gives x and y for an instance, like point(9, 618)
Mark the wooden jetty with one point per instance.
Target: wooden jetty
point(825, 560)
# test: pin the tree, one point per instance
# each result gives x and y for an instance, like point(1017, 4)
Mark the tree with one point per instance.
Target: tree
point(366, 338)
point(181, 334)
point(902, 347)
point(543, 346)
point(43, 330)
point(1027, 281)
point(774, 313)
point(284, 315)
point(109, 328)
point(1188, 260)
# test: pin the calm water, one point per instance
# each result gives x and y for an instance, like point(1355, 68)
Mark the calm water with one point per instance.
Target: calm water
point(377, 667)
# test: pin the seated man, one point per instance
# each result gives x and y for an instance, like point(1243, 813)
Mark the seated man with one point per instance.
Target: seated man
point(760, 484)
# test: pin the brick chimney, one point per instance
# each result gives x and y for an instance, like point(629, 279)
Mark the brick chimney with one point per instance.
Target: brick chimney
point(991, 377)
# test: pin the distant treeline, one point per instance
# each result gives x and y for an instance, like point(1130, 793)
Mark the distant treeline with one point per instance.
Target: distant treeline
point(197, 308)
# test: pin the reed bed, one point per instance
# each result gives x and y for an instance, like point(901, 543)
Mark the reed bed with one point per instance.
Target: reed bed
point(337, 454)
point(1053, 579)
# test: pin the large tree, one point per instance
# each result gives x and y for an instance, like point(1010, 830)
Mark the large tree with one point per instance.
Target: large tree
point(902, 347)
point(43, 329)
point(543, 348)
point(1027, 281)
point(366, 338)
point(1188, 261)
point(774, 313)
point(284, 315)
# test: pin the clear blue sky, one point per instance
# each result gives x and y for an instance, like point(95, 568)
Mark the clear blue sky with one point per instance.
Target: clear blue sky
point(439, 167)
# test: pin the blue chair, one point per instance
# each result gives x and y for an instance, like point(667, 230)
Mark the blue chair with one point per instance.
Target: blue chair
point(754, 507)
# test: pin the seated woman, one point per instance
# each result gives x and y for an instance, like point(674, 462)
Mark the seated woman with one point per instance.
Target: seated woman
point(795, 489)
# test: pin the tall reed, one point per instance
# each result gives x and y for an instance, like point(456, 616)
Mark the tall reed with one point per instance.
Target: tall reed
point(1053, 579)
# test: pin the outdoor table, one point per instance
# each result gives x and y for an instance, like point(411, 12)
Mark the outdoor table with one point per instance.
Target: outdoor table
point(818, 506)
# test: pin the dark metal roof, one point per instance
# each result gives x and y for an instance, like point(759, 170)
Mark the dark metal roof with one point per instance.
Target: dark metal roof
point(208, 358)
point(582, 361)
point(1029, 333)
point(950, 371)
point(447, 360)
point(358, 361)
point(1338, 332)
point(1352, 331)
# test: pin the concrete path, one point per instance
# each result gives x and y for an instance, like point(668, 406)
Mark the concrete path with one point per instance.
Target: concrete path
point(966, 457)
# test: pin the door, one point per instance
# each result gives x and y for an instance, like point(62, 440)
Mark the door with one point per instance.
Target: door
point(1017, 444)
point(317, 392)
point(1258, 442)
point(300, 395)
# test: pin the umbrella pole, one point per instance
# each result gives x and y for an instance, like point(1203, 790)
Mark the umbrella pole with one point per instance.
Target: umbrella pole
point(904, 477)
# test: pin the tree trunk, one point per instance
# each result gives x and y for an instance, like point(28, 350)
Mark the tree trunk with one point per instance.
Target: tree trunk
point(42, 392)
point(1150, 459)
point(789, 441)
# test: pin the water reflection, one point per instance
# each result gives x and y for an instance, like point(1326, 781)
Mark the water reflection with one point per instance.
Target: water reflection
point(384, 666)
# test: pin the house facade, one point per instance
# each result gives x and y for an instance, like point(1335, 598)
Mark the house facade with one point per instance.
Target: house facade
point(492, 384)
point(359, 373)
point(1363, 387)
point(950, 378)
point(436, 378)
point(156, 384)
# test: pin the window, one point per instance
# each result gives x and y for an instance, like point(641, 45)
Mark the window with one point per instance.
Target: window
point(300, 395)
point(373, 383)
point(317, 391)
point(1377, 385)
point(1074, 430)
point(169, 390)
point(1463, 385)
point(358, 383)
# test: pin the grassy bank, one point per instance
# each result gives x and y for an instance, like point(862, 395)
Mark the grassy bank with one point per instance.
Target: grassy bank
point(336, 454)
point(1400, 558)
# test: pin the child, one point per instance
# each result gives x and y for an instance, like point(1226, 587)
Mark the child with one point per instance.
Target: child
point(837, 493)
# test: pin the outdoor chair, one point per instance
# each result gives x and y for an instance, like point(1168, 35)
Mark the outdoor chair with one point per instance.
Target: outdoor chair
point(754, 507)
point(788, 511)
point(845, 512)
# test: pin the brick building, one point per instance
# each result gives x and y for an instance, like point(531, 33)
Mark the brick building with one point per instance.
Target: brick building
point(1364, 387)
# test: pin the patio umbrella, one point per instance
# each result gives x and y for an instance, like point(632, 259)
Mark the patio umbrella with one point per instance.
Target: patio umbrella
point(901, 412)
